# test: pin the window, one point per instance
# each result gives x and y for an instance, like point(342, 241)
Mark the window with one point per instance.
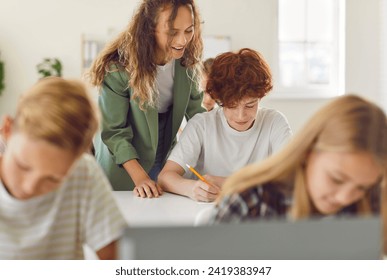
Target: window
point(310, 48)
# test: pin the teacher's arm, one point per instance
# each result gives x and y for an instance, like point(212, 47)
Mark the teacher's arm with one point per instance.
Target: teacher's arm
point(117, 131)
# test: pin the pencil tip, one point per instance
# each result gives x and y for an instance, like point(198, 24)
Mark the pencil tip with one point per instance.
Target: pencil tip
point(188, 165)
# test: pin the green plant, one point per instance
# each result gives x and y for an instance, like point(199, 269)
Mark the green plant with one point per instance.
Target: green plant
point(50, 67)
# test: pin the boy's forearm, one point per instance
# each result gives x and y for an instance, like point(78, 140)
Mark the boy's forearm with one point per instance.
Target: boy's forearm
point(173, 182)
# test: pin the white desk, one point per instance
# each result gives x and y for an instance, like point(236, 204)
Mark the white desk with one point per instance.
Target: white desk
point(166, 210)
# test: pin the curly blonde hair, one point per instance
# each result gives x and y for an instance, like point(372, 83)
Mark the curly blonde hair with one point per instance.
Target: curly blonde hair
point(134, 50)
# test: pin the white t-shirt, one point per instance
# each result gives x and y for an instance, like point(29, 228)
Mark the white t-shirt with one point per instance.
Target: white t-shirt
point(210, 145)
point(57, 224)
point(164, 83)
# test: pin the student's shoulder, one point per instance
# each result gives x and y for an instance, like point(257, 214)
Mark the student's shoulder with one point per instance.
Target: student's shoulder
point(87, 176)
point(204, 118)
point(82, 177)
point(237, 206)
point(272, 114)
point(260, 200)
point(86, 165)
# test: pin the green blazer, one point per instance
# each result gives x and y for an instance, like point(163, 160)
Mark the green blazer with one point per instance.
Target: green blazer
point(129, 133)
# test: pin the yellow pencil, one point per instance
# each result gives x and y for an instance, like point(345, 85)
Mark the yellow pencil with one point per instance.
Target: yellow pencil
point(197, 174)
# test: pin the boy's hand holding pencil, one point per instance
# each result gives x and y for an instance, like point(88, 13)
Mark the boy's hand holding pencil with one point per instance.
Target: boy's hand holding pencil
point(203, 189)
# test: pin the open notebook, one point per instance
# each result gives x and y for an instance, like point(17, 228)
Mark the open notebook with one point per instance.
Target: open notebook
point(328, 238)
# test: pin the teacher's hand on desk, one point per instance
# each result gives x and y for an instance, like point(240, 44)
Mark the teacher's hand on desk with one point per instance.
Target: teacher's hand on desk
point(147, 188)
point(144, 186)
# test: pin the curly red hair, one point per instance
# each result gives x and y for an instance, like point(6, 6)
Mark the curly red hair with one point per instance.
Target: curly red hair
point(235, 76)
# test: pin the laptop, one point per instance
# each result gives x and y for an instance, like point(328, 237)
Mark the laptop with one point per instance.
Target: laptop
point(327, 238)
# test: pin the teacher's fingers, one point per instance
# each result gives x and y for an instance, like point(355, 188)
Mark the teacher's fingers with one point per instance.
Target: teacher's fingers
point(154, 189)
point(141, 191)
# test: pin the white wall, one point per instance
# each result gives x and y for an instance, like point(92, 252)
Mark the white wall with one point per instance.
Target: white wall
point(363, 48)
point(33, 30)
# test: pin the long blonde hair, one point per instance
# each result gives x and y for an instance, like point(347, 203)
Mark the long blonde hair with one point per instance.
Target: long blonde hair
point(346, 124)
point(134, 50)
point(60, 112)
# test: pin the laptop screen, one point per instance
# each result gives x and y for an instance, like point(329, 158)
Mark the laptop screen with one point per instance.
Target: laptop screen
point(328, 238)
